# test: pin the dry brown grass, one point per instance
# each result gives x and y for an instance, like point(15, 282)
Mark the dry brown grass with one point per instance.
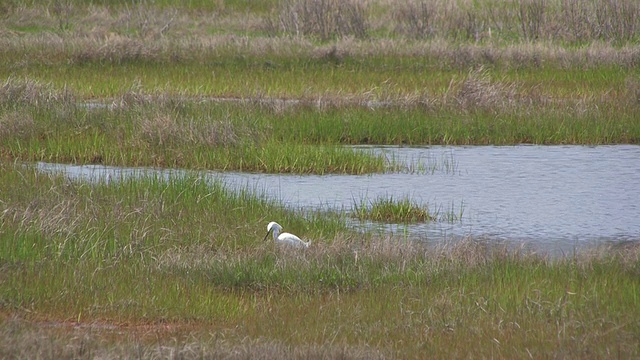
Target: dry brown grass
point(465, 252)
point(627, 253)
point(60, 340)
point(52, 220)
point(461, 20)
point(120, 48)
point(477, 91)
point(632, 90)
point(325, 19)
point(95, 33)
point(16, 125)
point(30, 92)
point(525, 20)
point(70, 224)
point(67, 220)
point(612, 20)
point(162, 129)
point(416, 19)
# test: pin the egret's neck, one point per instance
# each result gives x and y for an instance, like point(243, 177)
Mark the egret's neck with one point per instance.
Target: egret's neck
point(276, 232)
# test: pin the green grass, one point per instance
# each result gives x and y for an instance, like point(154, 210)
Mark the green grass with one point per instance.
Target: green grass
point(189, 255)
point(388, 210)
point(77, 221)
point(37, 124)
point(230, 73)
point(40, 123)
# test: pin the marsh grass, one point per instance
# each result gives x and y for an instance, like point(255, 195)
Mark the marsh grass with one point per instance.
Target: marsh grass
point(166, 132)
point(404, 210)
point(459, 21)
point(388, 210)
point(183, 261)
point(478, 91)
point(522, 20)
point(327, 19)
point(454, 294)
point(38, 122)
point(176, 267)
point(77, 221)
point(68, 341)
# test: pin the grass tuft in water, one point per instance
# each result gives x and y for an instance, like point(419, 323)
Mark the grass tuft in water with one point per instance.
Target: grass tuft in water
point(404, 210)
point(390, 210)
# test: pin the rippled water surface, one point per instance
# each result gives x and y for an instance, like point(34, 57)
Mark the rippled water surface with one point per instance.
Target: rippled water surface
point(554, 197)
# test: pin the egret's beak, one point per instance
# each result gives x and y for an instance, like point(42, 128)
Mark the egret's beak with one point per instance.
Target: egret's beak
point(265, 237)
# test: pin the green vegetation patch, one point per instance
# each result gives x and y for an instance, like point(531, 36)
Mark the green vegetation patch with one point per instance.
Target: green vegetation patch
point(40, 123)
point(388, 210)
point(128, 217)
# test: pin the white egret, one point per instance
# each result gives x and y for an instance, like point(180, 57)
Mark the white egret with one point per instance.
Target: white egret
point(284, 238)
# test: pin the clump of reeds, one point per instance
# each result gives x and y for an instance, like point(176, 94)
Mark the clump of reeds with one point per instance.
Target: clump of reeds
point(632, 89)
point(15, 91)
point(16, 125)
point(159, 121)
point(325, 19)
point(390, 210)
point(477, 91)
point(162, 129)
point(416, 19)
point(607, 20)
point(524, 20)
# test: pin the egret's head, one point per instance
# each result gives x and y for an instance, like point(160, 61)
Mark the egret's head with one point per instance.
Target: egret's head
point(274, 226)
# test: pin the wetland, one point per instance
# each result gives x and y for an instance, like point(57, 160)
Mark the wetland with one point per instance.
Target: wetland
point(555, 199)
point(472, 129)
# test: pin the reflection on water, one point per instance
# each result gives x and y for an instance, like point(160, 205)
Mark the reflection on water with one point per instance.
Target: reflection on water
point(554, 197)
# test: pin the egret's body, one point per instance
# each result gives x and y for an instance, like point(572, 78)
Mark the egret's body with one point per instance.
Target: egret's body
point(284, 238)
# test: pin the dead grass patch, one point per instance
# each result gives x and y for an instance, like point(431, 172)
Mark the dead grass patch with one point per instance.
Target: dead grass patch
point(16, 124)
point(161, 129)
point(626, 253)
point(416, 19)
point(384, 250)
point(325, 19)
point(31, 92)
point(22, 339)
point(477, 91)
point(118, 48)
point(632, 90)
point(518, 21)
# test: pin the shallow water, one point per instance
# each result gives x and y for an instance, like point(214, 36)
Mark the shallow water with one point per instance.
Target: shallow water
point(554, 198)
